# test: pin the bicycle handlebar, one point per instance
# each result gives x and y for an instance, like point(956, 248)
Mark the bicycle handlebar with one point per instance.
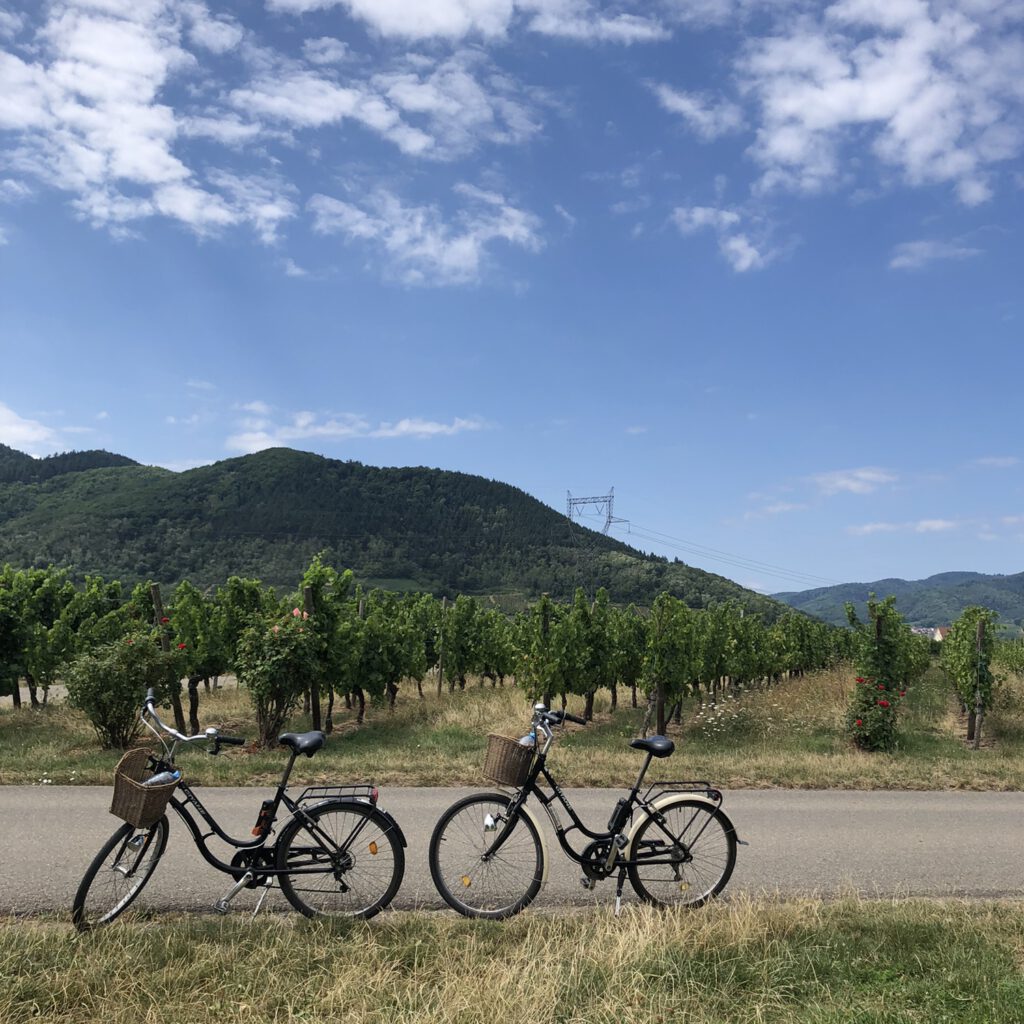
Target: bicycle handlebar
point(212, 734)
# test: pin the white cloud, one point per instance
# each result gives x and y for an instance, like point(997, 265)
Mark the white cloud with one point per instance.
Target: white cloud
point(736, 246)
point(708, 118)
point(853, 481)
point(416, 242)
point(26, 435)
point(11, 24)
point(919, 526)
point(461, 102)
point(303, 426)
point(693, 218)
point(257, 407)
point(932, 89)
point(292, 269)
point(89, 118)
point(578, 20)
point(636, 431)
point(998, 461)
point(200, 385)
point(325, 50)
point(934, 525)
point(216, 34)
point(12, 191)
point(915, 255)
point(869, 528)
point(415, 19)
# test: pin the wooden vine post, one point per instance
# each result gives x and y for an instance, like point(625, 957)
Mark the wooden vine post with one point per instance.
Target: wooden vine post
point(979, 703)
point(440, 646)
point(165, 643)
point(314, 685)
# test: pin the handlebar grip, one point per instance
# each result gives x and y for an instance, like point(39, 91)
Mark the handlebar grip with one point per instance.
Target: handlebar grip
point(150, 696)
point(232, 741)
point(574, 718)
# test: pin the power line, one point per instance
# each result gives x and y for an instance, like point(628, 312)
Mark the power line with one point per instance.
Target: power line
point(726, 557)
point(729, 558)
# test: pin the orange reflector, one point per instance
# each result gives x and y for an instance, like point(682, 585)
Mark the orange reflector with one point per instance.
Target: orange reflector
point(373, 849)
point(467, 881)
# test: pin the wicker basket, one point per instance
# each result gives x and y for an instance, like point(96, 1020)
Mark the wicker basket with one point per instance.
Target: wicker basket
point(507, 761)
point(139, 805)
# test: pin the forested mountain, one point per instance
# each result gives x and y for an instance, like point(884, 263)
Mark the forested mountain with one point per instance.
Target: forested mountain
point(935, 601)
point(266, 515)
point(17, 467)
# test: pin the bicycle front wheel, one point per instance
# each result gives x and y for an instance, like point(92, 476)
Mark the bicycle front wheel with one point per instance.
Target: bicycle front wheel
point(347, 861)
point(686, 858)
point(118, 874)
point(475, 881)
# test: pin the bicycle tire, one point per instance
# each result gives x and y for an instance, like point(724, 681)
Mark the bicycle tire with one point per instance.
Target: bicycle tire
point(696, 848)
point(117, 874)
point(359, 876)
point(496, 888)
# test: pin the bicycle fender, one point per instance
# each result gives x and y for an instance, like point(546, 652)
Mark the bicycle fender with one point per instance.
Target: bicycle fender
point(527, 812)
point(664, 801)
point(392, 824)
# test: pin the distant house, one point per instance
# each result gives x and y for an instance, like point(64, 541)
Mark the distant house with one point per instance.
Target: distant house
point(940, 633)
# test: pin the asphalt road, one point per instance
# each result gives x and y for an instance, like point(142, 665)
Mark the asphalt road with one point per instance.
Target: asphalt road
point(878, 844)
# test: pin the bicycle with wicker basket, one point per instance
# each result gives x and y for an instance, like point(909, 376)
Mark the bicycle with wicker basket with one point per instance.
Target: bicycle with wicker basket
point(337, 854)
point(488, 857)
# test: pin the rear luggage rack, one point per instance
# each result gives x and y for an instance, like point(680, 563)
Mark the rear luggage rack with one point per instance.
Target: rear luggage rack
point(701, 786)
point(366, 792)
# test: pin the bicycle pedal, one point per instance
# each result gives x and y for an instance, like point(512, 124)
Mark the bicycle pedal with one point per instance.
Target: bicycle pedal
point(224, 903)
point(588, 883)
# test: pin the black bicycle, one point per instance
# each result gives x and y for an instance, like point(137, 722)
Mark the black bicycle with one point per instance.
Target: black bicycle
point(675, 844)
point(337, 854)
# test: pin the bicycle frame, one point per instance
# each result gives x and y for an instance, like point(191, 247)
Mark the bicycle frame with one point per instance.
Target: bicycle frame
point(364, 794)
point(624, 813)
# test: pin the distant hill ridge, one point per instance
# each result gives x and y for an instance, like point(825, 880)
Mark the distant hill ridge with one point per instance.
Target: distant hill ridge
point(935, 601)
point(17, 467)
point(265, 515)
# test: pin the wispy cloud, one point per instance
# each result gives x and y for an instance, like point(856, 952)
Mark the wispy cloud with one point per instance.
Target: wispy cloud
point(918, 526)
point(418, 245)
point(998, 461)
point(741, 252)
point(256, 434)
point(709, 118)
point(915, 255)
point(853, 481)
point(27, 435)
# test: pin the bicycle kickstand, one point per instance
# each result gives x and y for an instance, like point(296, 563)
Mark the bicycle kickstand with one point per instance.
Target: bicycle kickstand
point(618, 891)
point(263, 895)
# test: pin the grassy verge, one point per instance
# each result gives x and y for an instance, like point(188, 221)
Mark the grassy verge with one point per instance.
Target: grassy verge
point(801, 961)
point(788, 736)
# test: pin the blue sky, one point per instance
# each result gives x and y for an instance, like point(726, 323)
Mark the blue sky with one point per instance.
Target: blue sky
point(755, 264)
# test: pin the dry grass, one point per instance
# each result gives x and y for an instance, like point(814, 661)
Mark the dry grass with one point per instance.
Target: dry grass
point(784, 962)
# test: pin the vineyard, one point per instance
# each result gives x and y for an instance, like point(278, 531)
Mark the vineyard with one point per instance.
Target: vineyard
point(329, 641)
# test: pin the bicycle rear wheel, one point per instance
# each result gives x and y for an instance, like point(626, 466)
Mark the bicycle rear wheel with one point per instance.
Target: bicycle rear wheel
point(117, 874)
point(687, 860)
point(347, 862)
point(473, 881)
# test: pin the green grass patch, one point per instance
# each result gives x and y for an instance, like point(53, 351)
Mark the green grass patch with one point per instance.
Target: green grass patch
point(773, 962)
point(791, 735)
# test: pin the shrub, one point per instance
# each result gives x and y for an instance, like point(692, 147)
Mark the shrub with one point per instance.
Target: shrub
point(109, 684)
point(276, 662)
point(871, 718)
